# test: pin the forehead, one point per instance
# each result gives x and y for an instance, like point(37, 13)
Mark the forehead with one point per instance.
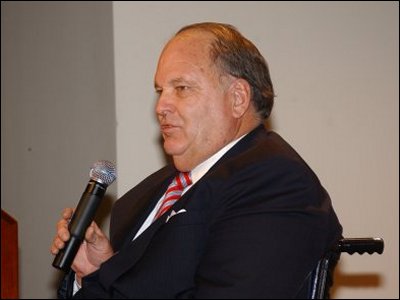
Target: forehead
point(191, 48)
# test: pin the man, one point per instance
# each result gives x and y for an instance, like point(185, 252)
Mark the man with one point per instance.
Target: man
point(247, 217)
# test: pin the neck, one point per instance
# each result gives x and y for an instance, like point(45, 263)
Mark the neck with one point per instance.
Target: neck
point(243, 127)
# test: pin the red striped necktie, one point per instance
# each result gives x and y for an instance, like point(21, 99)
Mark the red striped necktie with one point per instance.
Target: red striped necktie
point(173, 193)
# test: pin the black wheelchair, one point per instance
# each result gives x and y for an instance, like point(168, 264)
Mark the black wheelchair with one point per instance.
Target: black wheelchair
point(322, 276)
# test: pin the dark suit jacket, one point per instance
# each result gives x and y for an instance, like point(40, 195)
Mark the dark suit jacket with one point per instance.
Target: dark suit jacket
point(255, 226)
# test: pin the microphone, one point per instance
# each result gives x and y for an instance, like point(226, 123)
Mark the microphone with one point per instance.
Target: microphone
point(102, 174)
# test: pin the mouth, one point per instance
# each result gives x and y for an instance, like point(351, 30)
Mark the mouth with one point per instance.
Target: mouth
point(167, 128)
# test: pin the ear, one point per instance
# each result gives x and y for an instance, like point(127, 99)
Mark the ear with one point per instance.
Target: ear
point(241, 96)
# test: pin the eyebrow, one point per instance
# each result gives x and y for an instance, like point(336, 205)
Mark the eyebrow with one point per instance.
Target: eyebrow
point(175, 81)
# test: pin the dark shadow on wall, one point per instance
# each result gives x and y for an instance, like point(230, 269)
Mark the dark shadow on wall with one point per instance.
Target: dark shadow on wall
point(354, 280)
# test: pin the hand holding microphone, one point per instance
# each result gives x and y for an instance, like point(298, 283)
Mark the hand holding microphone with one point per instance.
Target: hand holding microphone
point(67, 243)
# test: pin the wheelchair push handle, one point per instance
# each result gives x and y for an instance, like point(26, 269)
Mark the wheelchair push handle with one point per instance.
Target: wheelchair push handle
point(360, 245)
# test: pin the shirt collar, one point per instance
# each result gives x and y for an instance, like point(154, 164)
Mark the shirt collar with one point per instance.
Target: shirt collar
point(201, 169)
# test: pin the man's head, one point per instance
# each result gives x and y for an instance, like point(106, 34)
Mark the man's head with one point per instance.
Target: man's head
point(213, 87)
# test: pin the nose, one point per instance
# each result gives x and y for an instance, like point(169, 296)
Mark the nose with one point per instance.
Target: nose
point(164, 105)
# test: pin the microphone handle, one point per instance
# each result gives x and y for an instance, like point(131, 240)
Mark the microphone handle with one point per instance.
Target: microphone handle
point(82, 218)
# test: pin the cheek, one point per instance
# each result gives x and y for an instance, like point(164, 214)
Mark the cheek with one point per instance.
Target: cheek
point(218, 114)
point(194, 118)
point(211, 125)
point(205, 119)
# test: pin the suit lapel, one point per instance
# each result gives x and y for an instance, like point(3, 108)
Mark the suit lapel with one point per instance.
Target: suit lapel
point(127, 257)
point(132, 209)
point(132, 251)
point(155, 198)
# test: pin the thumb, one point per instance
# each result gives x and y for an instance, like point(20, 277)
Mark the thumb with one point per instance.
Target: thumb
point(93, 233)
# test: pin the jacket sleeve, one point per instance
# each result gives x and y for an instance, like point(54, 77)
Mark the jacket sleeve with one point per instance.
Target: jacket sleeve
point(274, 222)
point(66, 286)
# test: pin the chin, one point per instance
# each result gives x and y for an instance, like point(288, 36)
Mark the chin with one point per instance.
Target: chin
point(173, 149)
point(181, 164)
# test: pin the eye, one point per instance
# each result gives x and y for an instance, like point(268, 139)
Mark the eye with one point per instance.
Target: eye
point(182, 88)
point(158, 91)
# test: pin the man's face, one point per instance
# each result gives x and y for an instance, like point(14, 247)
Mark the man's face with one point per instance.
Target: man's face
point(194, 107)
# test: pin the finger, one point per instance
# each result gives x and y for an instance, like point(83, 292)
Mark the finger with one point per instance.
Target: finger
point(57, 245)
point(62, 230)
point(91, 234)
point(94, 233)
point(67, 213)
point(96, 229)
point(54, 250)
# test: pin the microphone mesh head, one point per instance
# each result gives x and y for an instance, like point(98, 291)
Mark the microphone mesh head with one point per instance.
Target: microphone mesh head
point(103, 172)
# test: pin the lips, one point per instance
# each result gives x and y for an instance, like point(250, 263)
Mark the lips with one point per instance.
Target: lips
point(168, 128)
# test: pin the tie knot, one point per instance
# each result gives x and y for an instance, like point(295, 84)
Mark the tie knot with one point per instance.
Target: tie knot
point(183, 180)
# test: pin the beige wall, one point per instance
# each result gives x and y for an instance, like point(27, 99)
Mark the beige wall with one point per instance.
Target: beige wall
point(335, 71)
